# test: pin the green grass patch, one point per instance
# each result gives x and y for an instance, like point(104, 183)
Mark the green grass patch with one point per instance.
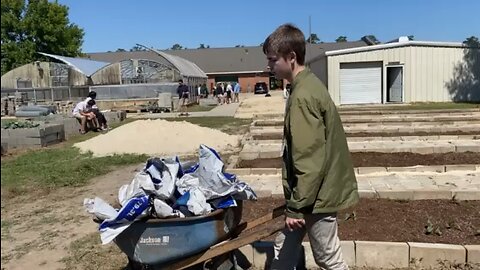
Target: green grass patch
point(436, 106)
point(88, 253)
point(229, 125)
point(58, 167)
point(198, 108)
point(424, 106)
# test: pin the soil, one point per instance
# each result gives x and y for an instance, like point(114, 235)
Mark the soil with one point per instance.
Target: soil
point(373, 159)
point(396, 221)
point(279, 136)
point(38, 229)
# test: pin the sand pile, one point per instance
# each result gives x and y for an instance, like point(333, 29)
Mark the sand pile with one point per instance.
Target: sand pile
point(259, 104)
point(158, 137)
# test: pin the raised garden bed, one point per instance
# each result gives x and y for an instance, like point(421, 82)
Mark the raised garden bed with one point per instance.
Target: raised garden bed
point(429, 221)
point(279, 136)
point(373, 159)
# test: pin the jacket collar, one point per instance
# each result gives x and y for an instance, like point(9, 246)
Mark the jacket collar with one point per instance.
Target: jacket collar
point(300, 76)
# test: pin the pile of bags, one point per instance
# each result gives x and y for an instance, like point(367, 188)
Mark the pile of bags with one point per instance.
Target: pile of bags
point(165, 188)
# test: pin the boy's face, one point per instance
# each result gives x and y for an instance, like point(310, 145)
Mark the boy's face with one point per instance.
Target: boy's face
point(279, 66)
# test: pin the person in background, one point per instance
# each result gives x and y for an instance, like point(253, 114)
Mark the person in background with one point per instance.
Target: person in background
point(219, 94)
point(236, 92)
point(205, 90)
point(102, 120)
point(185, 93)
point(82, 113)
point(199, 93)
point(318, 177)
point(180, 89)
point(228, 92)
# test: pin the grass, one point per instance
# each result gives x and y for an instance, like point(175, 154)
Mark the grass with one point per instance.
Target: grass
point(428, 106)
point(198, 108)
point(436, 106)
point(88, 253)
point(229, 125)
point(45, 169)
point(50, 168)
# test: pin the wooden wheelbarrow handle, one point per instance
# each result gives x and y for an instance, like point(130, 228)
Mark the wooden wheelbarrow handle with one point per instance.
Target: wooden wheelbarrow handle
point(235, 243)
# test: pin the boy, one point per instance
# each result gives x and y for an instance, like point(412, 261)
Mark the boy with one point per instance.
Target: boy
point(82, 112)
point(317, 175)
point(183, 93)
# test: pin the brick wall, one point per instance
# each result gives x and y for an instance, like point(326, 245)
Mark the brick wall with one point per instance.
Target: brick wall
point(247, 81)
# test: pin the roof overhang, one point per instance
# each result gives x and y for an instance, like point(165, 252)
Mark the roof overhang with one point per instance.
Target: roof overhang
point(236, 72)
point(82, 65)
point(396, 45)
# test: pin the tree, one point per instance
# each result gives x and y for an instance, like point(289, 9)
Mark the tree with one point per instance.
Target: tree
point(466, 82)
point(202, 46)
point(371, 38)
point(313, 39)
point(137, 48)
point(239, 46)
point(121, 50)
point(38, 26)
point(411, 37)
point(341, 39)
point(176, 46)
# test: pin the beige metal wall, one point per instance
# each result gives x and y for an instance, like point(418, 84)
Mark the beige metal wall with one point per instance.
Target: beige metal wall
point(39, 75)
point(427, 70)
point(108, 75)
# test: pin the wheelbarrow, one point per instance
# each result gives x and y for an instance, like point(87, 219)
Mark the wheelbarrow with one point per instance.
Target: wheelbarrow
point(181, 243)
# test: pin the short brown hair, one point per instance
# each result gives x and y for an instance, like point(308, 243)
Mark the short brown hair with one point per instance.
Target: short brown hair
point(285, 39)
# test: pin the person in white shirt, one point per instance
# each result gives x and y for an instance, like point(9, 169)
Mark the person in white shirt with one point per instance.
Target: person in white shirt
point(229, 93)
point(199, 93)
point(82, 113)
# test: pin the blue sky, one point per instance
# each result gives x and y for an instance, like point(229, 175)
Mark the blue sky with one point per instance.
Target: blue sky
point(112, 24)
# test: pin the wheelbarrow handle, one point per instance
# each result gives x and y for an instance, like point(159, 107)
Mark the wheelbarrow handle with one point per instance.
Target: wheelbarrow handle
point(278, 211)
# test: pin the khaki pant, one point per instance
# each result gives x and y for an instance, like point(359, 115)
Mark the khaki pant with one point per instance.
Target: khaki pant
point(322, 232)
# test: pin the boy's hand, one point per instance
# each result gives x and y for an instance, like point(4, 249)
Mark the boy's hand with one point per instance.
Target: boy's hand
point(294, 223)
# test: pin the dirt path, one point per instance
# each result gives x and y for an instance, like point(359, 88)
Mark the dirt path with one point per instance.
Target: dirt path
point(37, 231)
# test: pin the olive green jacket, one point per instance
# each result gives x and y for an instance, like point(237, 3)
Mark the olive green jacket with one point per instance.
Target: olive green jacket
point(318, 174)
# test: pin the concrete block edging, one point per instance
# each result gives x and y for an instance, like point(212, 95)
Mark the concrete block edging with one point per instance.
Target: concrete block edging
point(376, 254)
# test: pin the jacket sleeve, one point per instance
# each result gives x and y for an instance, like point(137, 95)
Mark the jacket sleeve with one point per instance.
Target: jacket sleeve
point(307, 129)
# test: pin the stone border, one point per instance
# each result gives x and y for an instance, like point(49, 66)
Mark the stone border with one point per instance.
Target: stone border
point(386, 255)
point(358, 170)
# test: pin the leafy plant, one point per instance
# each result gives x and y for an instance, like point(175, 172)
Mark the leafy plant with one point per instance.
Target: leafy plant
point(24, 124)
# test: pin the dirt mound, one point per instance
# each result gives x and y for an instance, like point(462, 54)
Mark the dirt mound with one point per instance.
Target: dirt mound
point(158, 137)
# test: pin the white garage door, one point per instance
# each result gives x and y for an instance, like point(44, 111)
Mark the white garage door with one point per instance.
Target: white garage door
point(361, 83)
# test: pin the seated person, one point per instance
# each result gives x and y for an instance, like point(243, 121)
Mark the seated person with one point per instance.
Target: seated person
point(100, 116)
point(83, 114)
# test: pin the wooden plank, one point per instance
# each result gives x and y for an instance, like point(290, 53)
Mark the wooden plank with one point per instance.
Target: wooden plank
point(226, 247)
point(251, 224)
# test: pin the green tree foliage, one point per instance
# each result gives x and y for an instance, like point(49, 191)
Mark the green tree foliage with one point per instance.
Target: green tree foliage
point(176, 46)
point(36, 26)
point(373, 38)
point(466, 82)
point(137, 48)
point(314, 39)
point(341, 39)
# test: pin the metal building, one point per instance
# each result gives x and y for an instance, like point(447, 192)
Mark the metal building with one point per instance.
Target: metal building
point(403, 72)
point(71, 78)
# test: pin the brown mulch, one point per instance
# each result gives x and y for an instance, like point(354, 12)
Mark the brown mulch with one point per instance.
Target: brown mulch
point(279, 136)
point(373, 159)
point(450, 221)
